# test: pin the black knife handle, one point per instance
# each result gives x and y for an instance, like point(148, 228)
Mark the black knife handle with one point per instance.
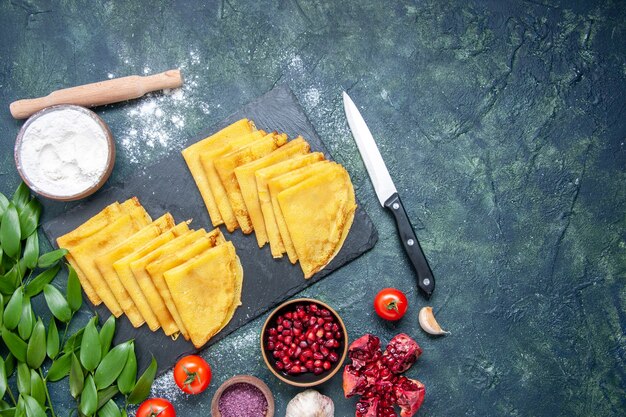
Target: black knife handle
point(425, 279)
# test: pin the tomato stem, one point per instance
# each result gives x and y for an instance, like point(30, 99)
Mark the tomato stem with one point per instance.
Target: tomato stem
point(191, 377)
point(393, 305)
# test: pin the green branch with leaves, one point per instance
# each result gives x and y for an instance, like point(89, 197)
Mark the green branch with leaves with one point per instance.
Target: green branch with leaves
point(98, 372)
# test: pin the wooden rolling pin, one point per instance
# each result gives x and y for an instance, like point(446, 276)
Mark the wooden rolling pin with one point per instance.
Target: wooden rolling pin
point(100, 93)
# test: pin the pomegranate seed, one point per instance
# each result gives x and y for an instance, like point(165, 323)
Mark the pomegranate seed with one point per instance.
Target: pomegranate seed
point(335, 327)
point(336, 344)
point(320, 321)
point(272, 331)
point(288, 340)
point(328, 327)
point(307, 353)
point(303, 344)
point(312, 321)
point(317, 363)
point(286, 324)
point(288, 315)
point(285, 360)
point(309, 364)
point(279, 365)
point(326, 365)
point(333, 357)
point(290, 351)
point(280, 337)
point(329, 343)
point(313, 308)
point(277, 354)
point(318, 356)
point(296, 332)
point(328, 335)
point(324, 312)
point(338, 335)
point(288, 366)
point(280, 328)
point(320, 333)
point(315, 347)
point(318, 371)
point(270, 346)
point(324, 351)
point(310, 335)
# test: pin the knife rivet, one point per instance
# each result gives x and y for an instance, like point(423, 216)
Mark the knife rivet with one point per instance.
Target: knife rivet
point(426, 281)
point(410, 242)
point(396, 206)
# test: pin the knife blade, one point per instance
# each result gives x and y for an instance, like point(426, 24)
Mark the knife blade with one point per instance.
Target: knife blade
point(388, 195)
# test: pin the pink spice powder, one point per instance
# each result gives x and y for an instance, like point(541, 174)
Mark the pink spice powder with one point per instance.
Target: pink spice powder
point(242, 400)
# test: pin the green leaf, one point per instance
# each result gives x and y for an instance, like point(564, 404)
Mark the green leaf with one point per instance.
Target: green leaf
point(36, 285)
point(25, 326)
point(11, 280)
point(1, 312)
point(106, 394)
point(56, 303)
point(36, 351)
point(13, 310)
point(74, 295)
point(106, 335)
point(3, 378)
point(10, 232)
point(73, 342)
point(31, 251)
point(109, 409)
point(90, 349)
point(23, 378)
point(16, 345)
point(128, 377)
point(52, 342)
point(29, 217)
point(60, 368)
point(37, 387)
point(51, 258)
point(21, 197)
point(142, 388)
point(33, 408)
point(77, 378)
point(9, 365)
point(89, 398)
point(4, 405)
point(111, 365)
point(4, 203)
point(124, 413)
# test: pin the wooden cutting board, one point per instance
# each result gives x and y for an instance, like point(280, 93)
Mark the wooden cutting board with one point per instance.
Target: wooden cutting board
point(168, 186)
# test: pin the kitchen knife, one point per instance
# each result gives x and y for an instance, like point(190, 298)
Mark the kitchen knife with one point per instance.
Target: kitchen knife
point(388, 195)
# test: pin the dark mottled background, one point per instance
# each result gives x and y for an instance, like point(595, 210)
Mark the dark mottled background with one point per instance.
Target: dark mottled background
point(502, 122)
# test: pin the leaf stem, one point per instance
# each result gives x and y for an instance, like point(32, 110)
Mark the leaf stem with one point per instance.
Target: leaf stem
point(45, 387)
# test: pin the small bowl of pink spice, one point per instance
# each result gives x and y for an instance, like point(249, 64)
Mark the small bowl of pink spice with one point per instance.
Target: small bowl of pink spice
point(243, 396)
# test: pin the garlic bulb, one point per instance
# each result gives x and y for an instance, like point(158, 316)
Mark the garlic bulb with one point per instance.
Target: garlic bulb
point(310, 403)
point(428, 322)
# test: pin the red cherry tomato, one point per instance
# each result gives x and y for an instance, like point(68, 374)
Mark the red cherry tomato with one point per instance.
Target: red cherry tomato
point(192, 374)
point(390, 304)
point(156, 407)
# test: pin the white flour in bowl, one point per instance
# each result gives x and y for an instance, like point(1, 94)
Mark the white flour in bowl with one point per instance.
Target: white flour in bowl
point(63, 152)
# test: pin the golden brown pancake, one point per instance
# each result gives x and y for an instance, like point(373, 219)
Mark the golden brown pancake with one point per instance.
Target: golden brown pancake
point(262, 177)
point(217, 276)
point(277, 185)
point(90, 248)
point(247, 182)
point(318, 239)
point(219, 193)
point(122, 267)
point(226, 165)
point(160, 266)
point(192, 157)
point(105, 263)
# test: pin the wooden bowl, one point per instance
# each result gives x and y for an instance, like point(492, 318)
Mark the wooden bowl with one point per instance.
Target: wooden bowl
point(104, 175)
point(307, 379)
point(246, 379)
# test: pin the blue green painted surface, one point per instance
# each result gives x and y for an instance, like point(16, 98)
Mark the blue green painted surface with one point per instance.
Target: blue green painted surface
point(503, 124)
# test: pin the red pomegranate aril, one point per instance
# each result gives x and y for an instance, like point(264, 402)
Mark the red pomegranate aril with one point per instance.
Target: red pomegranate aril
point(272, 331)
point(285, 359)
point(288, 315)
point(312, 321)
point(307, 353)
point(317, 363)
point(318, 371)
point(333, 357)
point(270, 346)
point(318, 356)
point(320, 321)
point(296, 332)
point(324, 312)
point(326, 365)
point(288, 366)
point(335, 327)
point(303, 344)
point(336, 344)
point(277, 354)
point(329, 343)
point(310, 335)
point(280, 337)
point(328, 319)
point(315, 347)
point(328, 327)
point(280, 328)
point(279, 365)
point(324, 351)
point(320, 333)
point(286, 324)
point(309, 364)
point(328, 335)
point(338, 335)
point(288, 340)
point(313, 308)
